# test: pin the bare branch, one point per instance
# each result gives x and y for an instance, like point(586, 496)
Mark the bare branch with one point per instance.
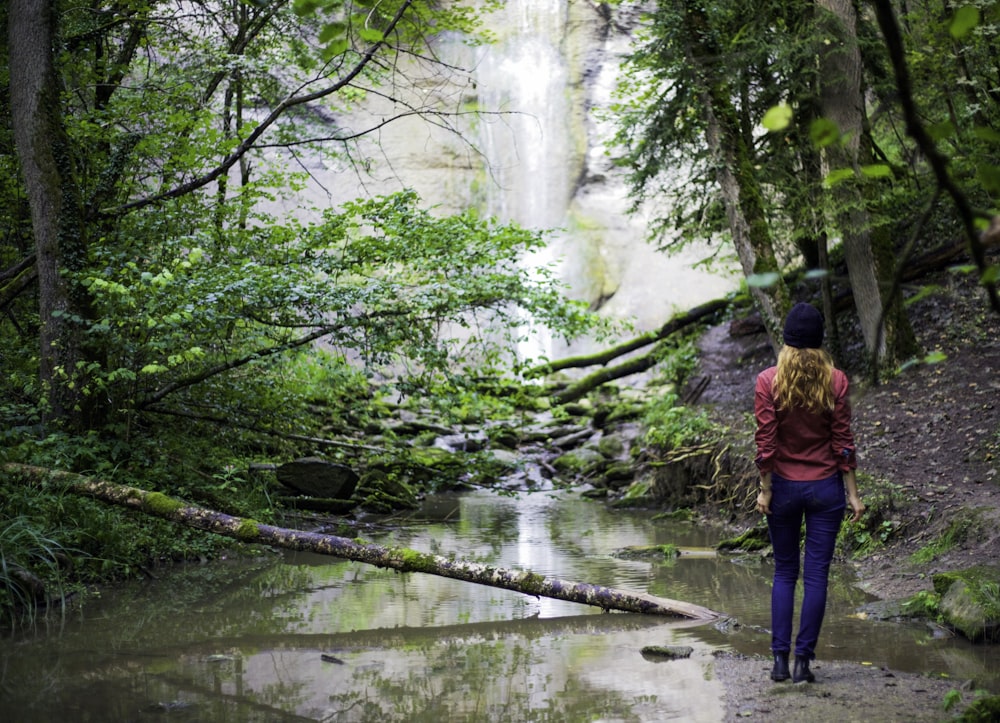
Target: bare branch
point(250, 141)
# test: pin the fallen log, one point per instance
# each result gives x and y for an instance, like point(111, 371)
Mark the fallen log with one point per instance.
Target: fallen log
point(681, 321)
point(401, 559)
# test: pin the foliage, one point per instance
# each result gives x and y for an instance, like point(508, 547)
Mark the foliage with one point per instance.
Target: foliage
point(31, 566)
point(677, 358)
point(982, 710)
point(877, 526)
point(923, 604)
point(211, 317)
point(670, 425)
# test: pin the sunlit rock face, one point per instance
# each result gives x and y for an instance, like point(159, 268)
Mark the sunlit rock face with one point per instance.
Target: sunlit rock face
point(524, 138)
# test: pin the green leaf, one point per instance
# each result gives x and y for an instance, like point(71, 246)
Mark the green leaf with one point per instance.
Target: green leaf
point(966, 18)
point(817, 274)
point(837, 175)
point(777, 118)
point(990, 275)
point(876, 170)
point(371, 35)
point(763, 281)
point(334, 49)
point(984, 133)
point(823, 132)
point(963, 269)
point(942, 130)
point(304, 7)
point(989, 176)
point(923, 293)
point(935, 357)
point(332, 31)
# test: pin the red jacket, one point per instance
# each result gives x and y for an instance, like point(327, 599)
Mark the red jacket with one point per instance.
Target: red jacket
point(800, 445)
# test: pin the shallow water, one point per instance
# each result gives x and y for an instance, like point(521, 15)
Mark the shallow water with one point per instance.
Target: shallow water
point(305, 637)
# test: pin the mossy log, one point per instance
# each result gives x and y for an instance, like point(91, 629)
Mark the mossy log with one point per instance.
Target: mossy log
point(401, 559)
point(695, 315)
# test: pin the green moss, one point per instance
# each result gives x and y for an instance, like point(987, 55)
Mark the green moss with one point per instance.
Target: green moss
point(982, 584)
point(531, 583)
point(248, 531)
point(638, 552)
point(756, 538)
point(683, 514)
point(414, 561)
point(923, 604)
point(161, 504)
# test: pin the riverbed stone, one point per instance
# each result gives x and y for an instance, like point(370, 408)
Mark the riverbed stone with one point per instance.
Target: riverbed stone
point(667, 652)
point(318, 478)
point(619, 475)
point(611, 446)
point(963, 609)
point(579, 461)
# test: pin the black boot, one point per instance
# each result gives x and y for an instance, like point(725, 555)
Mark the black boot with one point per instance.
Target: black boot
point(801, 672)
point(780, 671)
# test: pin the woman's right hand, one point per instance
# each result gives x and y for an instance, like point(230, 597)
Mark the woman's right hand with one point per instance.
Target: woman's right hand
point(764, 502)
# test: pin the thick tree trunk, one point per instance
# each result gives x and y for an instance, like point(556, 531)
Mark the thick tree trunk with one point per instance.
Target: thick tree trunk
point(869, 256)
point(34, 99)
point(401, 559)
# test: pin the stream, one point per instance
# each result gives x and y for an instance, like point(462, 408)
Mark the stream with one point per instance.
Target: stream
point(296, 637)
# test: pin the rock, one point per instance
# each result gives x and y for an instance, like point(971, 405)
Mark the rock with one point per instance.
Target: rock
point(611, 446)
point(318, 478)
point(667, 652)
point(463, 441)
point(963, 611)
point(579, 461)
point(619, 475)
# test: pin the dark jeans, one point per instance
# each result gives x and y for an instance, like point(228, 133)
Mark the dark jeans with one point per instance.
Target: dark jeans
point(822, 503)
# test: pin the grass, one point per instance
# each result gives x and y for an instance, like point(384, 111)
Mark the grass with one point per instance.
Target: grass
point(965, 525)
point(31, 570)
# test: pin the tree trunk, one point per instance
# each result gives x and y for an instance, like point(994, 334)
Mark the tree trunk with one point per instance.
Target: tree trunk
point(869, 262)
point(41, 148)
point(401, 559)
point(741, 193)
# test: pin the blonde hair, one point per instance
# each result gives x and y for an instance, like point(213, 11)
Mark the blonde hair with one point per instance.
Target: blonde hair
point(804, 379)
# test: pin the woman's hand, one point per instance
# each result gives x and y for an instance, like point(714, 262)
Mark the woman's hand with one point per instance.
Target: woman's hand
point(764, 501)
point(856, 505)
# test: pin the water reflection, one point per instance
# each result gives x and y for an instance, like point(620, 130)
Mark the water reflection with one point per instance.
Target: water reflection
point(303, 637)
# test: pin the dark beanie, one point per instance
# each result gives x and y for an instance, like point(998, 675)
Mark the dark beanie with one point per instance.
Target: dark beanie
point(804, 327)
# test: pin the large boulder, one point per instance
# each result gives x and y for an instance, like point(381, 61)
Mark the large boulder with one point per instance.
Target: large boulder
point(970, 602)
point(316, 477)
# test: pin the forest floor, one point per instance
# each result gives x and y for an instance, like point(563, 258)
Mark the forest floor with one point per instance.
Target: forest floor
point(928, 442)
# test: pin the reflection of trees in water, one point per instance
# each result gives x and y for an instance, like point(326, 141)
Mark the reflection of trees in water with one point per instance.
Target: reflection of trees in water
point(508, 679)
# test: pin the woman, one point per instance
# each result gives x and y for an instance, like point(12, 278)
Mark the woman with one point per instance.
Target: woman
point(805, 455)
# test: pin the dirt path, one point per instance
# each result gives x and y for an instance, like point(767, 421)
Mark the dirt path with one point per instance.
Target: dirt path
point(843, 692)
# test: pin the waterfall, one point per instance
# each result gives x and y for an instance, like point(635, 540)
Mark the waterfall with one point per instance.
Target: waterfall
point(524, 79)
point(526, 135)
point(540, 160)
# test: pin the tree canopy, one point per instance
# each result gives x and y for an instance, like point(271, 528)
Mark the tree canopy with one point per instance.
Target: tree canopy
point(783, 125)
